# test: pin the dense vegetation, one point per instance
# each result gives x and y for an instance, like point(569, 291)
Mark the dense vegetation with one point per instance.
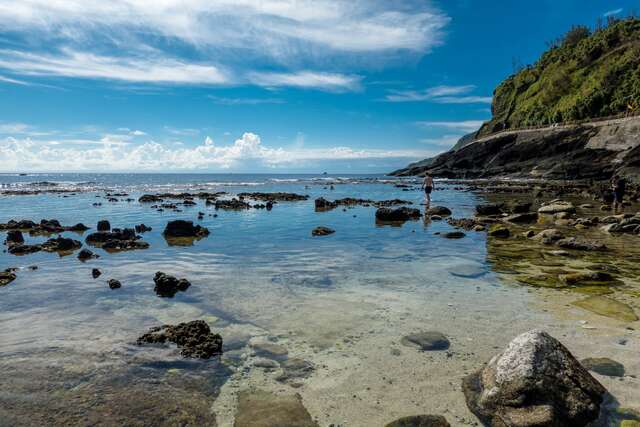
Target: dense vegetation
point(583, 75)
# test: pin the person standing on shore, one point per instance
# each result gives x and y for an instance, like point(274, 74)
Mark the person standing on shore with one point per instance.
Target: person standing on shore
point(427, 186)
point(618, 185)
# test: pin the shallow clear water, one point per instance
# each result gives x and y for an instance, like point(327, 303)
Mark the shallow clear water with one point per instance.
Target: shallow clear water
point(341, 302)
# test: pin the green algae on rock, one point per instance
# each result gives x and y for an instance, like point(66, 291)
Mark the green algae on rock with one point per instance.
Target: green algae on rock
point(608, 307)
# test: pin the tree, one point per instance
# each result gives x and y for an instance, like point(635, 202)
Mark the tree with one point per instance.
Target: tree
point(576, 34)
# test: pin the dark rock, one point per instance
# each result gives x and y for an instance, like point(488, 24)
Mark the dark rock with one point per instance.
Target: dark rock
point(181, 228)
point(168, 286)
point(124, 245)
point(274, 197)
point(520, 207)
point(233, 205)
point(6, 277)
point(322, 231)
point(397, 215)
point(604, 366)
point(79, 227)
point(522, 218)
point(323, 204)
point(500, 231)
point(142, 228)
point(61, 244)
point(489, 209)
point(103, 225)
point(86, 254)
point(114, 284)
point(14, 237)
point(580, 245)
point(258, 408)
point(95, 273)
point(420, 421)
point(467, 224)
point(24, 249)
point(534, 382)
point(454, 235)
point(150, 198)
point(194, 338)
point(427, 341)
point(439, 210)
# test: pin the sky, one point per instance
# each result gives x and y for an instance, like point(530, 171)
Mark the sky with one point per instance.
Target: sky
point(280, 86)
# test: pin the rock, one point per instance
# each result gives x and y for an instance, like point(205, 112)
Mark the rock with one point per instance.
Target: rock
point(124, 245)
point(295, 369)
point(14, 237)
point(103, 225)
point(608, 307)
point(233, 205)
point(557, 207)
point(522, 218)
point(426, 341)
point(142, 228)
point(435, 218)
point(114, 284)
point(167, 286)
point(101, 237)
point(497, 230)
point(150, 198)
point(61, 244)
point(397, 215)
point(580, 245)
point(181, 228)
point(257, 408)
point(274, 197)
point(439, 210)
point(79, 227)
point(86, 254)
point(6, 277)
point(520, 207)
point(194, 338)
point(597, 278)
point(266, 364)
point(95, 273)
point(18, 249)
point(420, 421)
point(548, 236)
point(454, 235)
point(268, 349)
point(322, 231)
point(604, 366)
point(489, 209)
point(535, 381)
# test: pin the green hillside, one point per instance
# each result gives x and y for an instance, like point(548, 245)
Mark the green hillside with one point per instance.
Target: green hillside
point(583, 75)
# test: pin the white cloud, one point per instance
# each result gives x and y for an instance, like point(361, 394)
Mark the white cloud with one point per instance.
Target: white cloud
point(13, 81)
point(86, 65)
point(439, 94)
point(613, 12)
point(465, 125)
point(207, 42)
point(137, 133)
point(116, 153)
point(307, 79)
point(446, 141)
point(244, 101)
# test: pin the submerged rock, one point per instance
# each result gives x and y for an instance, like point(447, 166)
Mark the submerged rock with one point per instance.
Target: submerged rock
point(420, 421)
point(397, 215)
point(168, 286)
point(194, 338)
point(604, 366)
point(257, 408)
point(20, 249)
point(322, 231)
point(454, 235)
point(439, 210)
point(181, 228)
point(535, 381)
point(489, 209)
point(580, 245)
point(608, 307)
point(294, 369)
point(114, 284)
point(86, 254)
point(522, 218)
point(95, 273)
point(427, 341)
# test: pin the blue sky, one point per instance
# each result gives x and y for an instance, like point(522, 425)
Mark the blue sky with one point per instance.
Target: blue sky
point(259, 85)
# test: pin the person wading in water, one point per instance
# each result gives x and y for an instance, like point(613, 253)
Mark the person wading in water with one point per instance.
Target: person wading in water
point(618, 185)
point(427, 186)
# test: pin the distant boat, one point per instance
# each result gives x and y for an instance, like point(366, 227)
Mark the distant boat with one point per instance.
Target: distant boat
point(324, 173)
point(24, 174)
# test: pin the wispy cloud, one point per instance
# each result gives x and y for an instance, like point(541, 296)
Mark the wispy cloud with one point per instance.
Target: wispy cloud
point(613, 12)
point(85, 65)
point(464, 126)
point(446, 141)
point(13, 81)
point(116, 153)
point(438, 94)
point(244, 101)
point(307, 79)
point(212, 42)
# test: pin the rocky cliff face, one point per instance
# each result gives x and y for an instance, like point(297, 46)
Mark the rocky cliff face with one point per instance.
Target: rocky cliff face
point(588, 151)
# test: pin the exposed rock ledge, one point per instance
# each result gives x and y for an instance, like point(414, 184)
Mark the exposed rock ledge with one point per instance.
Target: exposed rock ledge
point(589, 151)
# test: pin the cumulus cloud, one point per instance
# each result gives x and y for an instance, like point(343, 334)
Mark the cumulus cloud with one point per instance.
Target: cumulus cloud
point(199, 41)
point(118, 153)
point(439, 94)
